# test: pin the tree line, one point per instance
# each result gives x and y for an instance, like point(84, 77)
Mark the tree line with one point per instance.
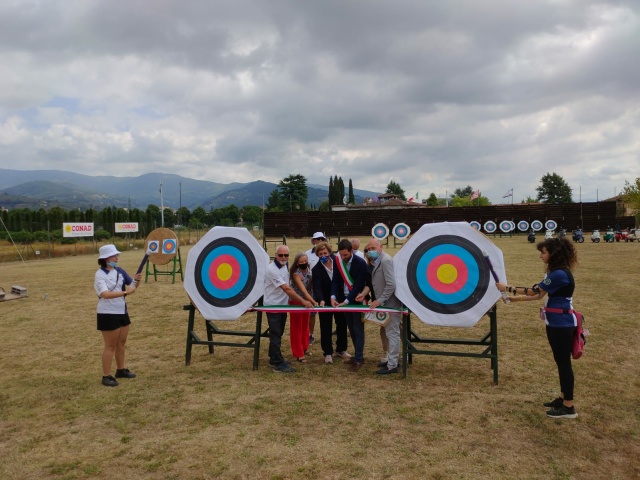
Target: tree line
point(26, 225)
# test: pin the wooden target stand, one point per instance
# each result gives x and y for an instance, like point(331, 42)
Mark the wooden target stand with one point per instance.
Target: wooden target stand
point(412, 344)
point(159, 258)
point(212, 330)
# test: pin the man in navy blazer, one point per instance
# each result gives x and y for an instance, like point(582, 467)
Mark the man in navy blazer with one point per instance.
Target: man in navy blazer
point(354, 269)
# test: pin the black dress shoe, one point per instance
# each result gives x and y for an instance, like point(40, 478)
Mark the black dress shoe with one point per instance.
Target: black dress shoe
point(355, 366)
point(386, 371)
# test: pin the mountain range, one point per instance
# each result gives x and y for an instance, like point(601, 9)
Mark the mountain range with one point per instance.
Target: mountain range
point(36, 189)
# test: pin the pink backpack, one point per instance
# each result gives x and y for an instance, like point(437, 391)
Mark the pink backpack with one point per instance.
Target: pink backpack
point(579, 336)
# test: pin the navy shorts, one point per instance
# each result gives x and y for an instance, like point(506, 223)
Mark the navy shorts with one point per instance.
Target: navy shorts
point(111, 321)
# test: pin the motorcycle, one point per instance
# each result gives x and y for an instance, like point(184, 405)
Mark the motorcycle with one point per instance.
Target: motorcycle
point(609, 236)
point(532, 236)
point(595, 236)
point(578, 236)
point(562, 233)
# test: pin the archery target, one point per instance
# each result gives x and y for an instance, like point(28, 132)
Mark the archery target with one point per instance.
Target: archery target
point(523, 225)
point(380, 231)
point(506, 226)
point(152, 246)
point(536, 225)
point(401, 231)
point(169, 246)
point(443, 277)
point(160, 238)
point(225, 273)
point(490, 226)
point(475, 225)
point(551, 225)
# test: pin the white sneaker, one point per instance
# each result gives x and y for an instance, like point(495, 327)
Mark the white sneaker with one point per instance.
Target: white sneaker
point(345, 355)
point(328, 359)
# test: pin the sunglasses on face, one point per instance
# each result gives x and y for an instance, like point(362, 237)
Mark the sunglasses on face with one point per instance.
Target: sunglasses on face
point(285, 255)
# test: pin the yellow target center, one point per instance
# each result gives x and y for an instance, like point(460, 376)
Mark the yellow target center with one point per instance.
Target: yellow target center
point(447, 273)
point(224, 271)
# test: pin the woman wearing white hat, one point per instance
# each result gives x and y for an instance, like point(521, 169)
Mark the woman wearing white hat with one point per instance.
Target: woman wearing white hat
point(112, 285)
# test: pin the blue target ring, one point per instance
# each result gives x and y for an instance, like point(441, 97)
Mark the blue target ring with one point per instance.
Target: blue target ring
point(168, 246)
point(225, 272)
point(476, 225)
point(536, 225)
point(468, 265)
point(551, 225)
point(523, 225)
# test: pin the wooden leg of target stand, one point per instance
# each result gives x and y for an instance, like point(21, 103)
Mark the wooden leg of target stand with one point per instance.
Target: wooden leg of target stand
point(192, 315)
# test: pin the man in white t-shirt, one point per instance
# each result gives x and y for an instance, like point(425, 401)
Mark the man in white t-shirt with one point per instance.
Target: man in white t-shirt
point(277, 291)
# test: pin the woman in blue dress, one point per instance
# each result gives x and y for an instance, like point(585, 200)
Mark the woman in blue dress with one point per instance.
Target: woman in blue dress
point(559, 257)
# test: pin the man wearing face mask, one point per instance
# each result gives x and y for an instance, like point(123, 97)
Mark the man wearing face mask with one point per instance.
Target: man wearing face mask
point(348, 281)
point(277, 291)
point(384, 286)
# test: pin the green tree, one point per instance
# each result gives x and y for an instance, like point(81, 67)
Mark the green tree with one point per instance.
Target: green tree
point(251, 215)
point(274, 200)
point(462, 192)
point(395, 189)
point(432, 201)
point(332, 192)
point(293, 192)
point(467, 202)
point(352, 197)
point(631, 196)
point(553, 189)
point(324, 206)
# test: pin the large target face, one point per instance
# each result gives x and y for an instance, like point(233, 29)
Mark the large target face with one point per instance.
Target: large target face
point(225, 273)
point(401, 231)
point(443, 277)
point(475, 225)
point(523, 225)
point(551, 225)
point(380, 231)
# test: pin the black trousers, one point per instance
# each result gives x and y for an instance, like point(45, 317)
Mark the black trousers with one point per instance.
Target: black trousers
point(326, 332)
point(560, 340)
point(277, 322)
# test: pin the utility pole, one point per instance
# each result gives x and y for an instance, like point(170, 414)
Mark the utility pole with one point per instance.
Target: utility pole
point(180, 210)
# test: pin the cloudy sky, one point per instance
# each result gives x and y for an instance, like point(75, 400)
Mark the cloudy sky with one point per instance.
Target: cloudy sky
point(433, 95)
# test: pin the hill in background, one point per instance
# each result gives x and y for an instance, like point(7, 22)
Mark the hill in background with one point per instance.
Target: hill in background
point(36, 189)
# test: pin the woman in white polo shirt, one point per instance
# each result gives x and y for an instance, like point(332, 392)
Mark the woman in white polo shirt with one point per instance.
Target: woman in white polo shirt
point(113, 284)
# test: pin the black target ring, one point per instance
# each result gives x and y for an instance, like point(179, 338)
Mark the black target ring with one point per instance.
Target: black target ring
point(473, 260)
point(245, 262)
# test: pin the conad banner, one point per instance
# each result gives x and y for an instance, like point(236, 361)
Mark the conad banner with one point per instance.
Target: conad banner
point(77, 229)
point(126, 227)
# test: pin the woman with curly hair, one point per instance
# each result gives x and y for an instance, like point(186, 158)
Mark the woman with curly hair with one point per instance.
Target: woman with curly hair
point(559, 257)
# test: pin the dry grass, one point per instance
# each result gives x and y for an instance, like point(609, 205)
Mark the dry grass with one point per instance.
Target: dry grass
point(219, 419)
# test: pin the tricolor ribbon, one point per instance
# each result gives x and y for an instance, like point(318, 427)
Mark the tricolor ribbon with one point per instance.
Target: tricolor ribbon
point(346, 308)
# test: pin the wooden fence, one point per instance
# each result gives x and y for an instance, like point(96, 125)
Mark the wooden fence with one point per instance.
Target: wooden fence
point(359, 222)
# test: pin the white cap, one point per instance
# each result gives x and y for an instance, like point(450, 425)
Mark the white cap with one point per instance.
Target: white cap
point(107, 251)
point(318, 235)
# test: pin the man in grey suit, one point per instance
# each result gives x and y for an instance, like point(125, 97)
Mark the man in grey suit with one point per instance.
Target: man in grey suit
point(384, 286)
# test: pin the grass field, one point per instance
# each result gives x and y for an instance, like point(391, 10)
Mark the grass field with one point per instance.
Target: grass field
point(217, 418)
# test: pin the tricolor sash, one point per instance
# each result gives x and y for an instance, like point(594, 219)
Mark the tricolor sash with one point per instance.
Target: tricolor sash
point(344, 273)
